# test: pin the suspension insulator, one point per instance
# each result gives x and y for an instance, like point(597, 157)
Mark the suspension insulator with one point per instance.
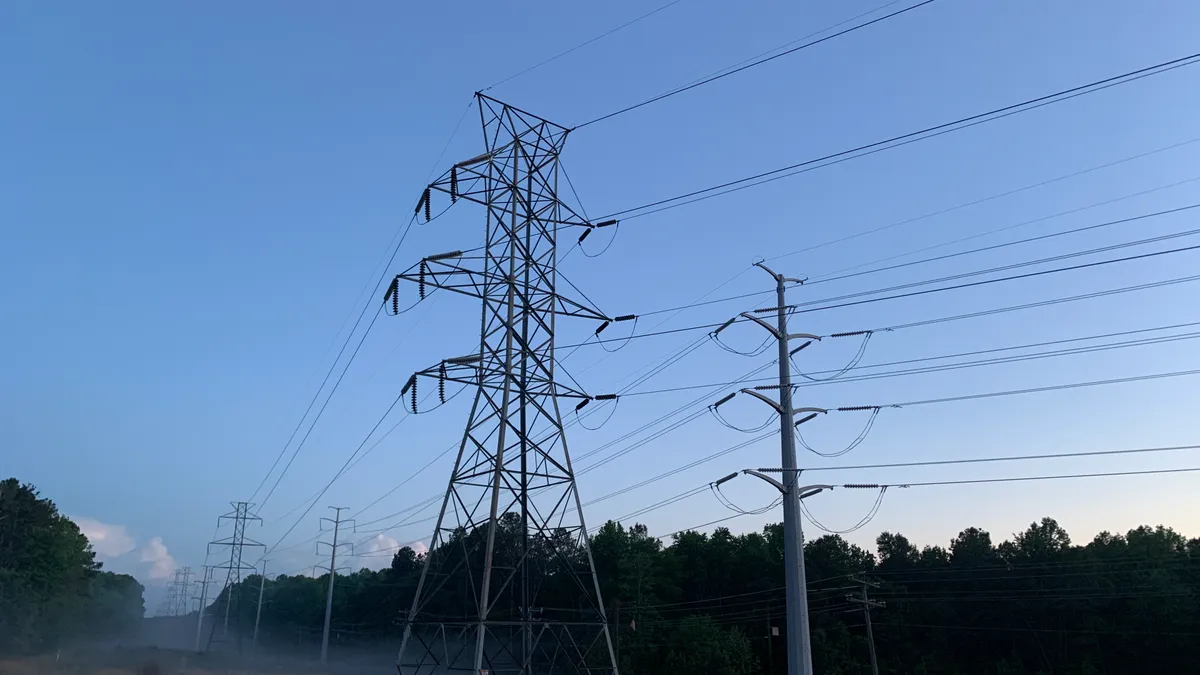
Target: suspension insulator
point(395, 296)
point(453, 184)
point(425, 198)
point(414, 395)
point(421, 280)
point(442, 382)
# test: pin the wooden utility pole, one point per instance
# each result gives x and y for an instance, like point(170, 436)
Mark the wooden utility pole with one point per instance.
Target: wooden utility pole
point(867, 604)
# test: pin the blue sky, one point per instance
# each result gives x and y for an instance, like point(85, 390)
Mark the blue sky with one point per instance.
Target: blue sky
point(194, 196)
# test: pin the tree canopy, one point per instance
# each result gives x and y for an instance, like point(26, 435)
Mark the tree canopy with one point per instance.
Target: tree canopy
point(714, 603)
point(51, 587)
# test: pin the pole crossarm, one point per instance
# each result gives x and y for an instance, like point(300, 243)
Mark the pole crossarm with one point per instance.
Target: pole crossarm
point(445, 271)
point(474, 371)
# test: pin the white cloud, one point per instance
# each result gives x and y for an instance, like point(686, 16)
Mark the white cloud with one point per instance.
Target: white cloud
point(162, 565)
point(107, 540)
point(377, 552)
point(119, 551)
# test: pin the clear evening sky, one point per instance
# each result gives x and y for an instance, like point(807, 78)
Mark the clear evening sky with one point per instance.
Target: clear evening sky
point(193, 197)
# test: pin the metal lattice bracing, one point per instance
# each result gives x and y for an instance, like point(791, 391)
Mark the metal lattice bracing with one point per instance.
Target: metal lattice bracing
point(236, 544)
point(508, 584)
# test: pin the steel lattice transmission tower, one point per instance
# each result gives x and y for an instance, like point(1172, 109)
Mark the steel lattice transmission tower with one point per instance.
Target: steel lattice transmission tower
point(511, 530)
point(178, 593)
point(237, 542)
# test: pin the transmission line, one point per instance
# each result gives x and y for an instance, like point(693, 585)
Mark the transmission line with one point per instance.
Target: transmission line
point(902, 139)
point(993, 197)
point(839, 274)
point(968, 364)
point(753, 64)
point(807, 306)
point(581, 45)
point(1011, 458)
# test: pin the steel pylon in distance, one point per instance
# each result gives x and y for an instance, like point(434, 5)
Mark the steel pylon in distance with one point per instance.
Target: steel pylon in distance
point(508, 585)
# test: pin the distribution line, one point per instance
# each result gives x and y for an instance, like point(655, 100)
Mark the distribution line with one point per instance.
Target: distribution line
point(753, 64)
point(903, 139)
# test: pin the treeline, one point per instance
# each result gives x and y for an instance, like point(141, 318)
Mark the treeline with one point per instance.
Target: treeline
point(52, 590)
point(714, 603)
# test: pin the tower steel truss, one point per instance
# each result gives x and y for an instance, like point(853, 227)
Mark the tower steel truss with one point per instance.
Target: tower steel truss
point(511, 531)
point(236, 543)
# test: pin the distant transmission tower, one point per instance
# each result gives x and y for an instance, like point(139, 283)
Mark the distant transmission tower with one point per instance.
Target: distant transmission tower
point(236, 543)
point(179, 593)
point(511, 526)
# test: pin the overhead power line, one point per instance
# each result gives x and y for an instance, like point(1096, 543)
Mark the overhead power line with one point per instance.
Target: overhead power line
point(938, 368)
point(1011, 458)
point(902, 139)
point(1017, 479)
point(976, 481)
point(583, 44)
point(983, 200)
point(340, 471)
point(321, 411)
point(1013, 392)
point(752, 64)
point(807, 306)
point(837, 276)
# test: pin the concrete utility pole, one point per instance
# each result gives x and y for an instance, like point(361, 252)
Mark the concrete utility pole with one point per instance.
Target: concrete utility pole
point(336, 521)
point(262, 583)
point(799, 645)
point(867, 604)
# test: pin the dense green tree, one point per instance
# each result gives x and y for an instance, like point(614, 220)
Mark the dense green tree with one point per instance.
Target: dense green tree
point(700, 645)
point(713, 603)
point(51, 587)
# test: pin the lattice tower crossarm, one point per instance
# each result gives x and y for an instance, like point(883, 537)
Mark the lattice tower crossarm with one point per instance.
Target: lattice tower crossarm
point(510, 534)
